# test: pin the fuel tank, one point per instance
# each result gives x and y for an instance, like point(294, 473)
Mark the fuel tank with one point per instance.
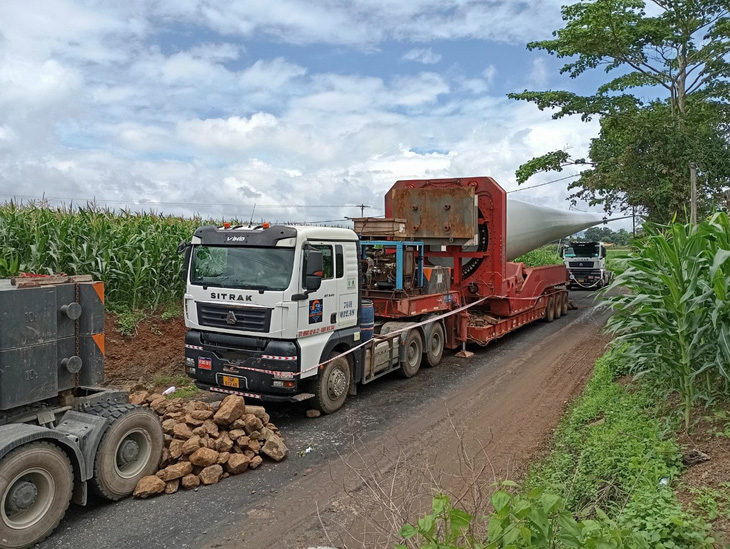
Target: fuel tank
point(530, 226)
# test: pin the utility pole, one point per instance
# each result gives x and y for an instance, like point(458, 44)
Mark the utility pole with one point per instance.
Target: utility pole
point(633, 220)
point(362, 209)
point(693, 193)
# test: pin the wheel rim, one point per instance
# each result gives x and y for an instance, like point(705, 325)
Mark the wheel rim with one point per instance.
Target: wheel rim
point(436, 343)
point(133, 453)
point(336, 383)
point(413, 353)
point(28, 498)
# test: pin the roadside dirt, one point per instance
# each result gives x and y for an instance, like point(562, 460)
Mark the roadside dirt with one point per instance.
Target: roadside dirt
point(155, 352)
point(462, 445)
point(703, 484)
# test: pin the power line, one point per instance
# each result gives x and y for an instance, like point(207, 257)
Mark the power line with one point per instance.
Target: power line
point(543, 184)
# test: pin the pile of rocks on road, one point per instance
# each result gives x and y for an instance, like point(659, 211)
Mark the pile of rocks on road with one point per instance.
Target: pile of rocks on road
point(207, 442)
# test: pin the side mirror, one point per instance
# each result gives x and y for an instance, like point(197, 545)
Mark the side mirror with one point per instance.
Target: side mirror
point(187, 248)
point(313, 276)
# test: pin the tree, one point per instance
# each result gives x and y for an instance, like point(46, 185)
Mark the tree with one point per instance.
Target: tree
point(679, 56)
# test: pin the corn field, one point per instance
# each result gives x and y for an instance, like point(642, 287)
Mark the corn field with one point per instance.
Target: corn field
point(675, 311)
point(134, 254)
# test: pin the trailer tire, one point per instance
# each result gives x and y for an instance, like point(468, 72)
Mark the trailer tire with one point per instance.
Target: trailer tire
point(332, 384)
point(39, 478)
point(434, 347)
point(558, 304)
point(564, 300)
point(413, 354)
point(130, 449)
point(550, 310)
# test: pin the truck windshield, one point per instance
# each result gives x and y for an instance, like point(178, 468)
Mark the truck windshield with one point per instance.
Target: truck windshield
point(242, 267)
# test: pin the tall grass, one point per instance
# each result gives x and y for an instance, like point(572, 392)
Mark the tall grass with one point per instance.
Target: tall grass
point(133, 253)
point(675, 315)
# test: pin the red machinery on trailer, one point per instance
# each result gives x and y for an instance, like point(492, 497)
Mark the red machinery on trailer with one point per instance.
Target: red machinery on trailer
point(446, 214)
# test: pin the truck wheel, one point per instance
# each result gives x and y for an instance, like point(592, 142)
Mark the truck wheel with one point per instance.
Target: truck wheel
point(36, 482)
point(130, 449)
point(414, 354)
point(435, 345)
point(549, 310)
point(564, 301)
point(558, 304)
point(332, 385)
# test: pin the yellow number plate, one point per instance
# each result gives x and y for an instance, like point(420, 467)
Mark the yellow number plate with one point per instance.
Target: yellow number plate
point(230, 381)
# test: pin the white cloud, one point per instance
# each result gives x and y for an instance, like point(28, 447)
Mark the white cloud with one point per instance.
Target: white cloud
point(425, 56)
point(538, 74)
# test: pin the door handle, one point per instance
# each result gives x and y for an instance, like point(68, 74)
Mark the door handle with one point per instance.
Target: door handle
point(333, 318)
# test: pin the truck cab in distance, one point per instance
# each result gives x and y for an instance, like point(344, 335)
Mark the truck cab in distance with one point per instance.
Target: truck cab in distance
point(586, 263)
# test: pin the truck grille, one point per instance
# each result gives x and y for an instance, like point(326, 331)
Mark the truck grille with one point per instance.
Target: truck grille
point(586, 264)
point(247, 319)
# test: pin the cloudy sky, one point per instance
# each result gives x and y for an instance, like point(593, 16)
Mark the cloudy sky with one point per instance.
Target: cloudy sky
point(303, 108)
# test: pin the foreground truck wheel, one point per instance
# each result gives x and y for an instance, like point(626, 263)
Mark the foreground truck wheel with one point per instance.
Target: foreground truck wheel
point(129, 450)
point(435, 345)
point(414, 354)
point(36, 482)
point(332, 385)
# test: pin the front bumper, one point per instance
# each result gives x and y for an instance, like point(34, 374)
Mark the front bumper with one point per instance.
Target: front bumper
point(259, 396)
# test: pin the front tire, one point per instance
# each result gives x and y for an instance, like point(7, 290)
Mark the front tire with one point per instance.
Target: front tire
point(414, 354)
point(130, 449)
point(332, 385)
point(565, 303)
point(36, 483)
point(435, 345)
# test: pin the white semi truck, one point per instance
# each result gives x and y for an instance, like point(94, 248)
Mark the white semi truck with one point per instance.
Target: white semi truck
point(586, 263)
point(287, 313)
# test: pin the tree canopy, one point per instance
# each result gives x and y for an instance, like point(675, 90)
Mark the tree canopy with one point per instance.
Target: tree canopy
point(675, 52)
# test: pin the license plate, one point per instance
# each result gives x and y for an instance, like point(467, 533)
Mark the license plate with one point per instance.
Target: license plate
point(230, 381)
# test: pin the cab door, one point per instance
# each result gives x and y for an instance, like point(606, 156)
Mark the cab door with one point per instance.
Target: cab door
point(318, 312)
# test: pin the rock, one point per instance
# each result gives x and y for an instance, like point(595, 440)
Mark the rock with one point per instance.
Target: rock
point(225, 475)
point(149, 486)
point(693, 457)
point(195, 405)
point(265, 419)
point(211, 443)
point(211, 474)
point(201, 414)
point(235, 433)
point(238, 424)
point(274, 448)
point(178, 470)
point(256, 461)
point(313, 413)
point(204, 457)
point(192, 421)
point(165, 458)
point(182, 430)
point(151, 397)
point(159, 406)
point(174, 415)
point(168, 425)
point(243, 441)
point(210, 427)
point(176, 448)
point(190, 481)
point(199, 431)
point(255, 435)
point(138, 398)
point(171, 486)
point(257, 411)
point(223, 458)
point(254, 446)
point(252, 423)
point(232, 408)
point(250, 454)
point(223, 443)
point(237, 464)
point(191, 445)
point(167, 438)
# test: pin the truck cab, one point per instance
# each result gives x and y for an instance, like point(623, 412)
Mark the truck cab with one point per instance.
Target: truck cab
point(586, 263)
point(265, 305)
